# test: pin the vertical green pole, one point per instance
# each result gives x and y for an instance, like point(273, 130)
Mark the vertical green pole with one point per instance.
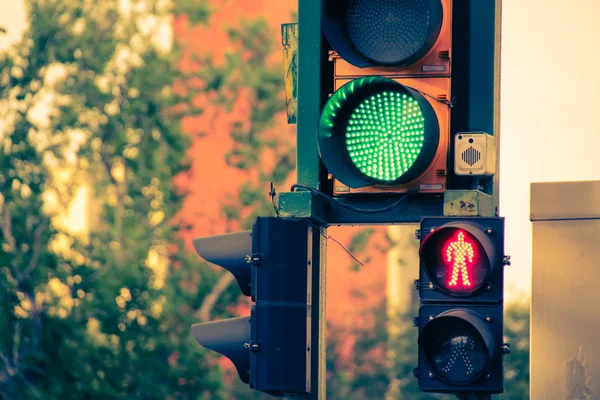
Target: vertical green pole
point(311, 61)
point(310, 93)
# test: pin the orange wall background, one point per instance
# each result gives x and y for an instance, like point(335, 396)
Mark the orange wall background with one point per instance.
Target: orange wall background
point(209, 171)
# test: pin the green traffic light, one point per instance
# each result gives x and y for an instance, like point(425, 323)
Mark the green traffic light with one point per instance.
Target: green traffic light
point(375, 130)
point(385, 134)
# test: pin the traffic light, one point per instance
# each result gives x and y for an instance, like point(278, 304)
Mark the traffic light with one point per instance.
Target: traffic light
point(461, 315)
point(272, 264)
point(386, 128)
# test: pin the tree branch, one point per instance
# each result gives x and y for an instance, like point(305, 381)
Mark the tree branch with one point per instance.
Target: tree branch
point(16, 344)
point(8, 370)
point(7, 231)
point(37, 244)
point(11, 367)
point(211, 299)
point(108, 167)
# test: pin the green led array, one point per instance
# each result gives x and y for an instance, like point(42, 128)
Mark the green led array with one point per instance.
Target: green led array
point(385, 134)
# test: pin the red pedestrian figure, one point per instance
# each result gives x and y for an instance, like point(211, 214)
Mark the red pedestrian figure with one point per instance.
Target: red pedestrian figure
point(459, 251)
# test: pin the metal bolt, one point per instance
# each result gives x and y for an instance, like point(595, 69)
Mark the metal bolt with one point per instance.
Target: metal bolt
point(488, 375)
point(488, 287)
point(430, 374)
point(488, 231)
point(431, 317)
point(252, 259)
point(488, 319)
point(252, 346)
point(431, 285)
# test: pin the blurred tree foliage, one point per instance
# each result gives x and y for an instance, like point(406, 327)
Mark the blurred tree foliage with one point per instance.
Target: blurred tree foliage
point(87, 109)
point(248, 76)
point(368, 371)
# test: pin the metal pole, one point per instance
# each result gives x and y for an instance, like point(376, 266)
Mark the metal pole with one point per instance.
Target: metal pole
point(311, 97)
point(318, 315)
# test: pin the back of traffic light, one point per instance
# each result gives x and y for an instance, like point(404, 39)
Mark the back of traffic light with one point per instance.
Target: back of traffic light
point(461, 315)
point(272, 264)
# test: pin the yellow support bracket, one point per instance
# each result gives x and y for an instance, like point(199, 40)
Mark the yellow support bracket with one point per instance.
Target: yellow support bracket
point(468, 203)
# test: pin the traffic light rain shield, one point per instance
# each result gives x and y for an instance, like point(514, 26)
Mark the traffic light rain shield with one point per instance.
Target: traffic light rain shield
point(375, 130)
point(382, 32)
point(237, 331)
point(229, 251)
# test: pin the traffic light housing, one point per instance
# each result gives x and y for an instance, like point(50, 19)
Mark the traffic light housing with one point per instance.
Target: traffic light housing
point(272, 264)
point(461, 315)
point(479, 276)
point(386, 128)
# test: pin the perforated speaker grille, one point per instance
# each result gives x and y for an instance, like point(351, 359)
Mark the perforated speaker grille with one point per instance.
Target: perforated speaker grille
point(471, 156)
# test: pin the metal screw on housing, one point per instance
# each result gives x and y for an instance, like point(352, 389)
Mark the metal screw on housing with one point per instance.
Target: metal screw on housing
point(488, 231)
point(252, 346)
point(253, 259)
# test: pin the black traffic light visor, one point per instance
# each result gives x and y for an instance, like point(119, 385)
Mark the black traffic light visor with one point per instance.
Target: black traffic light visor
point(459, 258)
point(374, 130)
point(230, 338)
point(382, 32)
point(229, 251)
point(458, 346)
